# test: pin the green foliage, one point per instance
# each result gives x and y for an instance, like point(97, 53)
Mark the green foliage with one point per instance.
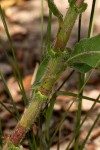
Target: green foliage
point(89, 132)
point(48, 35)
point(77, 96)
point(84, 57)
point(81, 67)
point(11, 98)
point(54, 9)
point(87, 52)
point(17, 73)
point(71, 2)
point(81, 9)
point(40, 72)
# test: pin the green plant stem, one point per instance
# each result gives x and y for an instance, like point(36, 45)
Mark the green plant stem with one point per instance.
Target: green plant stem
point(31, 140)
point(48, 36)
point(11, 98)
point(91, 19)
point(42, 19)
point(68, 77)
point(79, 2)
point(65, 30)
point(1, 103)
point(14, 56)
point(81, 82)
point(95, 121)
point(38, 99)
point(54, 70)
point(82, 122)
point(76, 96)
point(79, 27)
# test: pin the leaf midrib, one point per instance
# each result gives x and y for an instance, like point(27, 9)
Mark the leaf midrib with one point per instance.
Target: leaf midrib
point(82, 54)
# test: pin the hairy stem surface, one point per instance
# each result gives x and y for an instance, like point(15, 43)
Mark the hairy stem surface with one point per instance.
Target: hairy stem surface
point(53, 71)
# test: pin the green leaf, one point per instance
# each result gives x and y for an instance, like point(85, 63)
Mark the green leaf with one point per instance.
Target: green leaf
point(87, 51)
point(81, 67)
point(40, 72)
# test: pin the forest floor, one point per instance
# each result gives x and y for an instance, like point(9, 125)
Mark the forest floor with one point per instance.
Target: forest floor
point(24, 26)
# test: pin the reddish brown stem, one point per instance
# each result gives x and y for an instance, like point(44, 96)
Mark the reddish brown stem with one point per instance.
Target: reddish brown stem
point(17, 135)
point(79, 3)
point(51, 75)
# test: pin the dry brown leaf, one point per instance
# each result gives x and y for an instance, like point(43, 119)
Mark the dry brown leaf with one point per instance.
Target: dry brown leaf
point(7, 3)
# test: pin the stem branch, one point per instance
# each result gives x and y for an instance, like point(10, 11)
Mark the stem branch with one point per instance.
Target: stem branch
point(53, 71)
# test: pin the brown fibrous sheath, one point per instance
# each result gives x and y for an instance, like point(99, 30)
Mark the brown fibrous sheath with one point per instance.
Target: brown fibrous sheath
point(17, 135)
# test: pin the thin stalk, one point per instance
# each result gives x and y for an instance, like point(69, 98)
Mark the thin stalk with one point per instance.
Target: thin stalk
point(67, 78)
point(9, 110)
point(76, 95)
point(78, 115)
point(81, 83)
point(66, 112)
point(91, 129)
point(54, 69)
point(40, 133)
point(31, 140)
point(86, 80)
point(82, 122)
point(12, 65)
point(50, 109)
point(48, 36)
point(49, 113)
point(60, 123)
point(90, 30)
point(52, 104)
point(91, 109)
point(79, 27)
point(42, 20)
point(14, 56)
point(84, 85)
point(11, 98)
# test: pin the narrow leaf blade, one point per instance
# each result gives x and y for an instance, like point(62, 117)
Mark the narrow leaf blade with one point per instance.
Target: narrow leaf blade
point(54, 9)
point(41, 70)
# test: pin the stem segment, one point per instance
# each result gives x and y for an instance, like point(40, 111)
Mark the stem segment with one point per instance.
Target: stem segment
point(65, 30)
point(54, 69)
point(79, 3)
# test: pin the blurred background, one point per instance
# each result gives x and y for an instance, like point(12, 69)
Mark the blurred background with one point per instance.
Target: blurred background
point(24, 23)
